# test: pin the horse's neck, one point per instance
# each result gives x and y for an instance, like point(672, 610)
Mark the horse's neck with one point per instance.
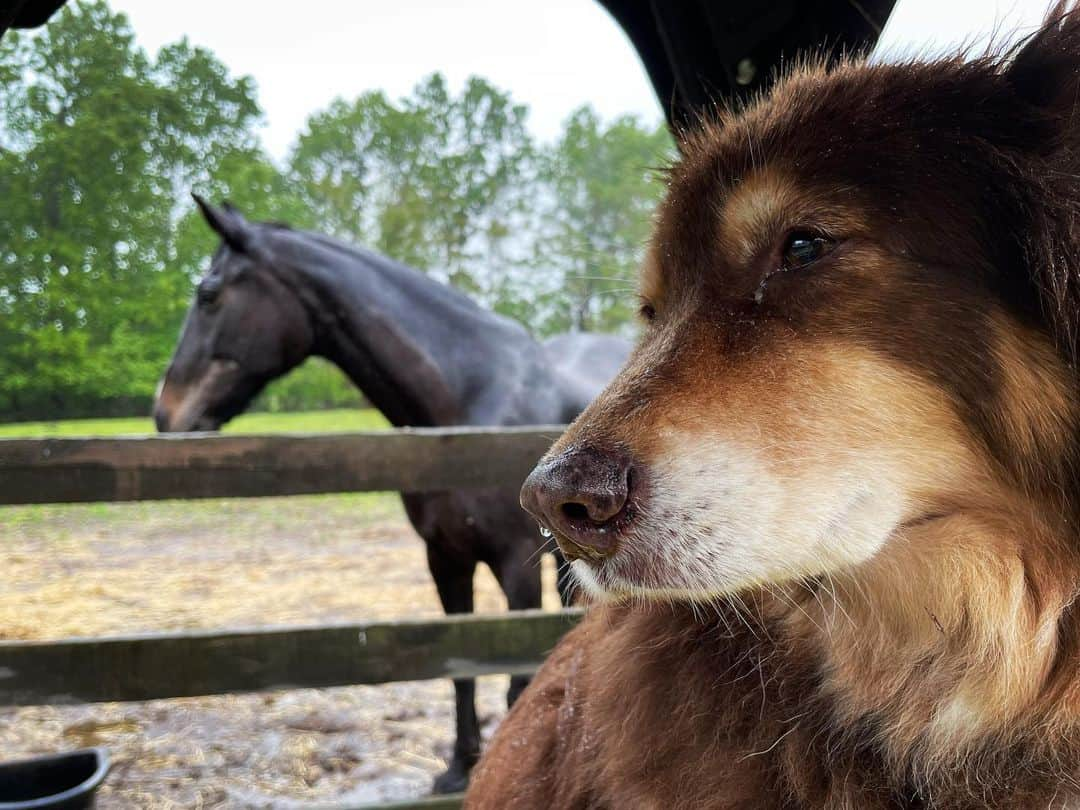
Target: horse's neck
point(400, 337)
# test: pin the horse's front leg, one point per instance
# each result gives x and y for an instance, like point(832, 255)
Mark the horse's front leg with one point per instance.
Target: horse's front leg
point(518, 573)
point(454, 580)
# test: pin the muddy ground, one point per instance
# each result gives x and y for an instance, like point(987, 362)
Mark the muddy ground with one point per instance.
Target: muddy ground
point(121, 568)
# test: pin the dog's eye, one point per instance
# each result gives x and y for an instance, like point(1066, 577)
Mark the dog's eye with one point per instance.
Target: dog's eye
point(803, 249)
point(647, 311)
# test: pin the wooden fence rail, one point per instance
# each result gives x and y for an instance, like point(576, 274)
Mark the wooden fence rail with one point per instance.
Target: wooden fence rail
point(447, 802)
point(189, 466)
point(223, 466)
point(213, 663)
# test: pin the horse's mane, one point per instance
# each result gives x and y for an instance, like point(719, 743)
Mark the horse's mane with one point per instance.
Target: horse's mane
point(416, 281)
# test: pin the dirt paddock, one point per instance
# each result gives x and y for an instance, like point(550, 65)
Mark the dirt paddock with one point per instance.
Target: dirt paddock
point(123, 568)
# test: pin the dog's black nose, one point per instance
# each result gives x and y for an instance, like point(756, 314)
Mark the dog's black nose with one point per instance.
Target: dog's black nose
point(583, 497)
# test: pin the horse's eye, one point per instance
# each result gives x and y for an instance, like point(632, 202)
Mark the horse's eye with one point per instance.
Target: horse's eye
point(802, 249)
point(207, 294)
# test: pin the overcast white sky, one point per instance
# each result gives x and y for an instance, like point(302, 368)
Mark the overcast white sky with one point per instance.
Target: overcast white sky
point(552, 55)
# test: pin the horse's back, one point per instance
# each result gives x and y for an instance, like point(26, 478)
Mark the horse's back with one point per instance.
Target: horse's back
point(585, 363)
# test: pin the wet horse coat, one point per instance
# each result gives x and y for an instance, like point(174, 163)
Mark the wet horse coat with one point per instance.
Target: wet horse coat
point(423, 353)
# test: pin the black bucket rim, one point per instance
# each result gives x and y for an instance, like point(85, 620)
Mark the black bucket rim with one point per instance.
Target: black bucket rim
point(87, 786)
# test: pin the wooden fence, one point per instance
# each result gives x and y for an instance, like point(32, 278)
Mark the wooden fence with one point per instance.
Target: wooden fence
point(149, 468)
point(167, 665)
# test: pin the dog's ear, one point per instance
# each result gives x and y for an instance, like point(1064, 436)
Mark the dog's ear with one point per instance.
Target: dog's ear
point(1044, 68)
point(1043, 72)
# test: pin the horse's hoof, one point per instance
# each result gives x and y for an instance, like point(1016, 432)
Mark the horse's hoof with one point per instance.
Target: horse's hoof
point(454, 780)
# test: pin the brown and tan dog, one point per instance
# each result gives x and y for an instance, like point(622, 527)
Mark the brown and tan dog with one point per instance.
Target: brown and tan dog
point(831, 507)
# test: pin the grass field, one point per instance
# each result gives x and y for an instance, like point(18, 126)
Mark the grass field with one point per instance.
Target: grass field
point(305, 422)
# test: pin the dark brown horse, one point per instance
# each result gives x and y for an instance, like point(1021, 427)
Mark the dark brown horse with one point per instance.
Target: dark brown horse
point(422, 353)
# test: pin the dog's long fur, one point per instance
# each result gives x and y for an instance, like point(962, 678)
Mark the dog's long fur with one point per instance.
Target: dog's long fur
point(852, 579)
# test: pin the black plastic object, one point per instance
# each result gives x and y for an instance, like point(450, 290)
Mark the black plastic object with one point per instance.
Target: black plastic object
point(700, 51)
point(26, 13)
point(58, 781)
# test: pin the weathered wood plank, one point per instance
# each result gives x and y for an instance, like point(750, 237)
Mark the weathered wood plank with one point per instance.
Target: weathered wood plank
point(190, 664)
point(451, 801)
point(224, 466)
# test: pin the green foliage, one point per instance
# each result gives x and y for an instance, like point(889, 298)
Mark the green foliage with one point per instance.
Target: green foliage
point(455, 185)
point(605, 184)
point(99, 139)
point(433, 180)
point(316, 384)
point(100, 244)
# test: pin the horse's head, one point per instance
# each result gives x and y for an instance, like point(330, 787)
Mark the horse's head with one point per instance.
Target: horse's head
point(245, 327)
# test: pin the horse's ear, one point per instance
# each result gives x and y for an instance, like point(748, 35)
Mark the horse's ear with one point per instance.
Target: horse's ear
point(227, 221)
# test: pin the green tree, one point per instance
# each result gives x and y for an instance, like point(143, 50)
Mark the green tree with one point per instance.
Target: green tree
point(338, 158)
point(602, 189)
point(100, 244)
point(316, 385)
point(434, 180)
point(97, 142)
